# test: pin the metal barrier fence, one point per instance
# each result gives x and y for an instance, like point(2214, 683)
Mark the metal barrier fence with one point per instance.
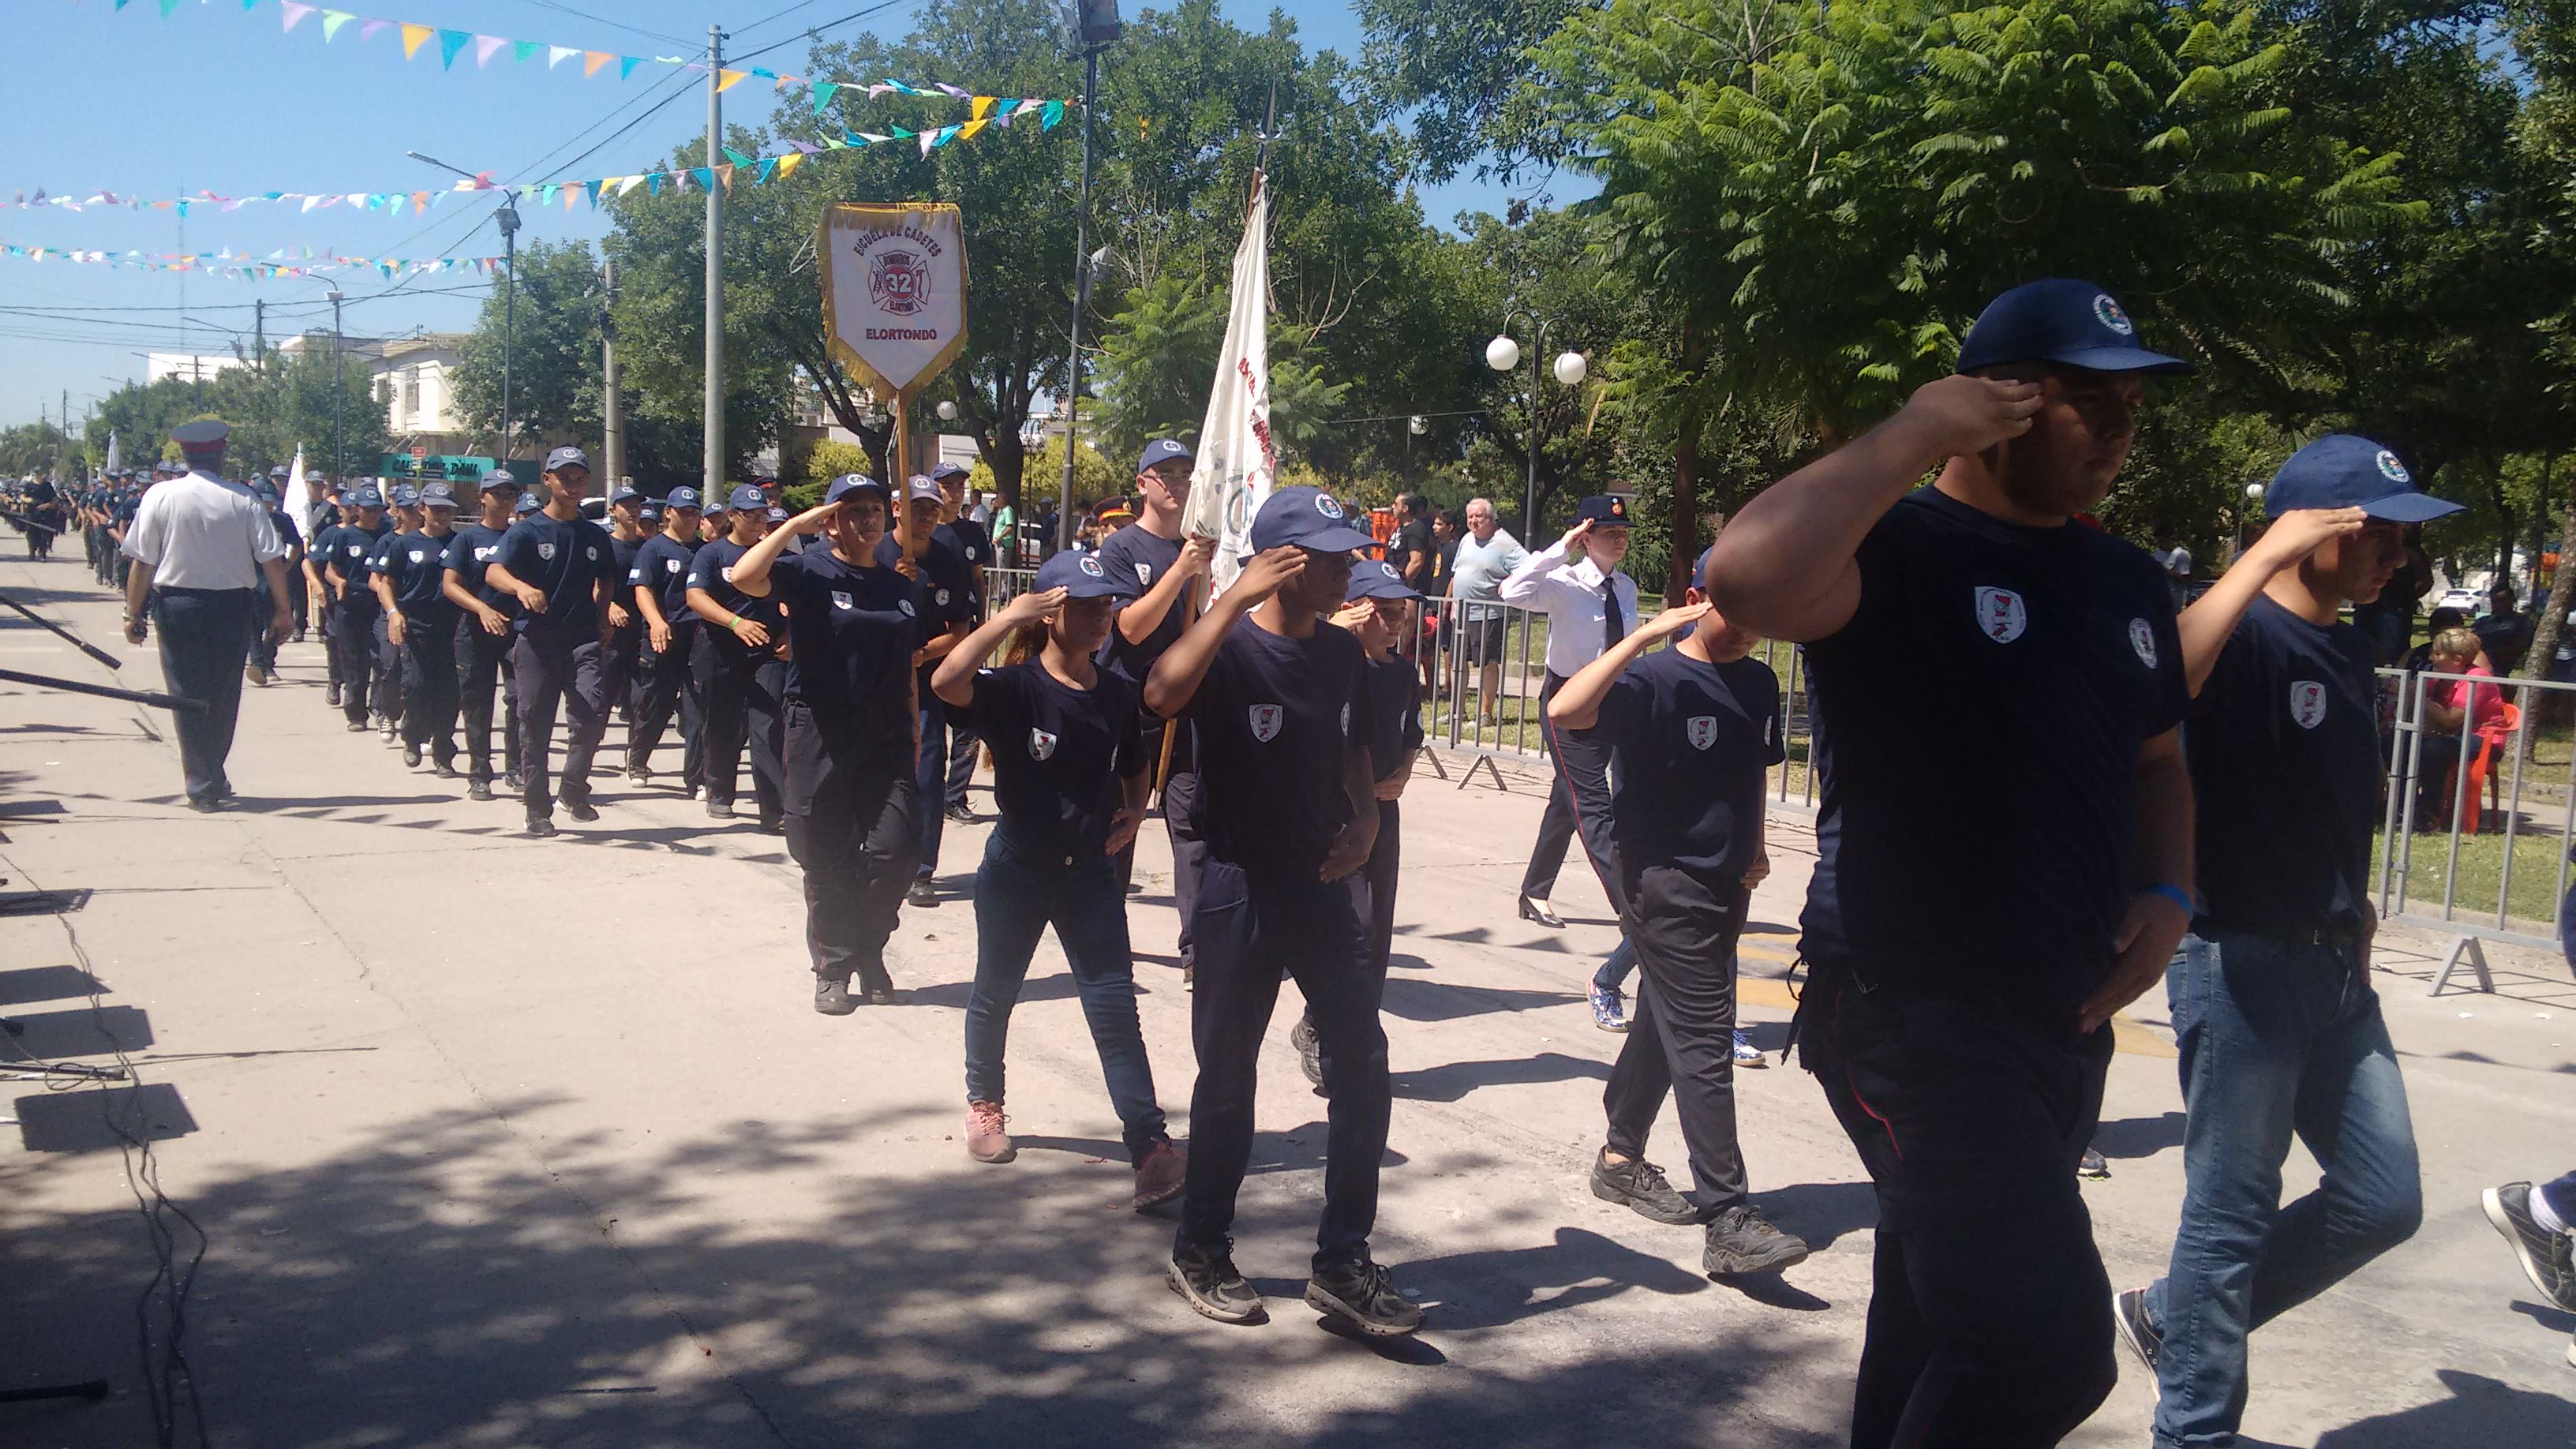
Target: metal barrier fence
point(2475, 836)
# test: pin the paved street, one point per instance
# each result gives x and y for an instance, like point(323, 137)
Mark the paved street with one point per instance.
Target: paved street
point(501, 1142)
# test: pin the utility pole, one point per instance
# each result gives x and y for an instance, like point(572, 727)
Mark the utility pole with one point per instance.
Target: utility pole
point(508, 217)
point(259, 334)
point(612, 420)
point(715, 269)
point(338, 460)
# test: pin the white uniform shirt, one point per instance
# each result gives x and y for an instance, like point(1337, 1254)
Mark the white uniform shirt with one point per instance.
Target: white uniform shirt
point(1577, 617)
point(198, 532)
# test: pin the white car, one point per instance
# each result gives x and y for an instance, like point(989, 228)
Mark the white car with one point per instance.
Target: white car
point(2464, 600)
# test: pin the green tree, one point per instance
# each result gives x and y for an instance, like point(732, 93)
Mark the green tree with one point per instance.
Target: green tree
point(552, 343)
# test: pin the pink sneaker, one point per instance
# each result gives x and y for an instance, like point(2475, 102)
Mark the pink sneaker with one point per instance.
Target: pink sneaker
point(985, 1139)
point(1162, 1175)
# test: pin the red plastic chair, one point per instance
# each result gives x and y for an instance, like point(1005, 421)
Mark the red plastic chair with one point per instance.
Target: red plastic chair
point(2485, 785)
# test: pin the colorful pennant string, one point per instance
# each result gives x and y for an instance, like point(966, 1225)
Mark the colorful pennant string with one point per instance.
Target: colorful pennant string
point(285, 263)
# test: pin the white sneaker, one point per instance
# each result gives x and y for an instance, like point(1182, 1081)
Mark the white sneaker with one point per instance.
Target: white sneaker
point(1746, 1053)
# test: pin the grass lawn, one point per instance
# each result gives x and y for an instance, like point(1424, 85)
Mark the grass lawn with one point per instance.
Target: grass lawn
point(2479, 881)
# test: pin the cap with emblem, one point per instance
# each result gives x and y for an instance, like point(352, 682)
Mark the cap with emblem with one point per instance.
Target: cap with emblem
point(437, 495)
point(366, 496)
point(277, 472)
point(777, 514)
point(1602, 510)
point(1308, 518)
point(1162, 450)
point(946, 471)
point(526, 505)
point(624, 490)
point(849, 483)
point(746, 495)
point(406, 496)
point(268, 494)
point(1081, 576)
point(315, 476)
point(918, 489)
point(1117, 510)
point(2064, 321)
point(651, 512)
point(1375, 579)
point(2341, 470)
point(499, 478)
point(681, 498)
point(567, 456)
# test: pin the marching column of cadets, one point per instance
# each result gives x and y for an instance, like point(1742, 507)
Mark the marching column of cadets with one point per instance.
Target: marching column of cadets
point(1966, 1060)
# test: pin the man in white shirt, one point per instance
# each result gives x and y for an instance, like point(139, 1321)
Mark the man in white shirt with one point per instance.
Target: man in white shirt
point(1590, 605)
point(1486, 556)
point(2176, 562)
point(202, 549)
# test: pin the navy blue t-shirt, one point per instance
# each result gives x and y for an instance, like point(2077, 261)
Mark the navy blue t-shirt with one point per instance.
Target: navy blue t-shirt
point(626, 550)
point(2285, 773)
point(852, 632)
point(1689, 740)
point(1978, 725)
point(947, 589)
point(470, 551)
point(416, 566)
point(347, 547)
point(663, 566)
point(1275, 721)
point(1395, 711)
point(567, 560)
point(1143, 557)
point(1058, 756)
point(711, 570)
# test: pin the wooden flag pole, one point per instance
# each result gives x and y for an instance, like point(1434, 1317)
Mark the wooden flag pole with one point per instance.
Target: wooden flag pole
point(1172, 728)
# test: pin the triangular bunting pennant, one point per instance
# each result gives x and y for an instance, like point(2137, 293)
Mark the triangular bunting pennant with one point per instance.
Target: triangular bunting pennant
point(705, 176)
point(725, 175)
point(726, 79)
point(450, 42)
point(983, 108)
point(823, 94)
point(592, 60)
point(734, 156)
point(558, 54)
point(294, 13)
point(967, 132)
point(525, 50)
point(593, 187)
point(626, 65)
point(787, 165)
point(485, 46)
point(1053, 112)
point(768, 168)
point(414, 37)
point(332, 20)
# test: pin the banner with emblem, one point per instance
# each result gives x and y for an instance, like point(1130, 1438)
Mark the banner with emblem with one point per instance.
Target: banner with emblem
point(894, 291)
point(1236, 463)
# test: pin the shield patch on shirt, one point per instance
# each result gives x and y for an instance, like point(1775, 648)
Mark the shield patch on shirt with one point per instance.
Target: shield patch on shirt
point(671, 566)
point(2307, 703)
point(941, 598)
point(592, 554)
point(1266, 719)
point(484, 555)
point(1041, 745)
point(2143, 640)
point(417, 555)
point(1700, 730)
point(905, 605)
point(546, 551)
point(840, 600)
point(2001, 615)
point(1145, 574)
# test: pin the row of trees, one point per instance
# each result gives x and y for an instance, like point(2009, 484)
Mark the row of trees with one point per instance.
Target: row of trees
point(278, 404)
point(2352, 212)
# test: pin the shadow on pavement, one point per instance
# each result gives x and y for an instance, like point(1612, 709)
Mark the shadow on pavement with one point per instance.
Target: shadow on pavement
point(2139, 1136)
point(1433, 1001)
point(1454, 1081)
point(441, 1285)
point(2479, 1411)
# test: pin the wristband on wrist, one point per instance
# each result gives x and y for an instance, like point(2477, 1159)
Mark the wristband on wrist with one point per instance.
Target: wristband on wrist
point(2173, 893)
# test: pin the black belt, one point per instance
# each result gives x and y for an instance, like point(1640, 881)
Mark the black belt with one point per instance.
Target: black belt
point(199, 593)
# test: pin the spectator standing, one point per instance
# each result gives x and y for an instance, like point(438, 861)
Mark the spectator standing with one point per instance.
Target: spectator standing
point(2505, 632)
point(1484, 558)
point(2175, 560)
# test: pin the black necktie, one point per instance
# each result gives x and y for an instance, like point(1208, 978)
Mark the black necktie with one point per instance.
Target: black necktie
point(1614, 626)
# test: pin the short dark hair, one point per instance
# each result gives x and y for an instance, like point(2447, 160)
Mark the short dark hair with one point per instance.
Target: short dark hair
point(2442, 619)
point(2510, 597)
point(1456, 520)
point(1415, 505)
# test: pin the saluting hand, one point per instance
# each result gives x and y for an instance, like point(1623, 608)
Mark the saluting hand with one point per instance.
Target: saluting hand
point(1355, 613)
point(811, 521)
point(1267, 573)
point(1676, 620)
point(1029, 608)
point(2302, 531)
point(1575, 536)
point(1960, 415)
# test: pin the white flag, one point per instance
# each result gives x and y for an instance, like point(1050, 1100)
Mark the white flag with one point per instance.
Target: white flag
point(295, 500)
point(115, 457)
point(1236, 465)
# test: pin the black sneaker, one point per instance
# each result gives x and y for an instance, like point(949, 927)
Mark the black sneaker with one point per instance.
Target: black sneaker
point(331, 696)
point(1310, 1053)
point(479, 790)
point(581, 810)
point(1642, 1187)
point(2545, 1256)
point(360, 727)
point(719, 809)
point(1206, 1277)
point(1363, 1295)
point(2129, 1316)
point(411, 757)
point(1742, 1241)
point(880, 995)
point(516, 781)
point(541, 826)
point(832, 996)
point(773, 825)
point(923, 893)
point(2094, 1165)
point(443, 770)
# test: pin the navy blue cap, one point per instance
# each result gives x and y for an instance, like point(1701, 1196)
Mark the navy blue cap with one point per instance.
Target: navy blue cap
point(918, 489)
point(366, 496)
point(1081, 577)
point(2341, 470)
point(315, 475)
point(680, 498)
point(1162, 450)
point(277, 472)
point(651, 512)
point(500, 478)
point(268, 493)
point(624, 490)
point(567, 456)
point(406, 496)
point(849, 483)
point(1308, 518)
point(437, 495)
point(204, 433)
point(527, 504)
point(1376, 579)
point(746, 495)
point(1601, 510)
point(946, 471)
point(777, 514)
point(2061, 320)
point(167, 469)
point(1699, 566)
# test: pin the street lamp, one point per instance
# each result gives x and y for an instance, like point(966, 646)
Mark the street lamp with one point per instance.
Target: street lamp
point(1502, 355)
point(508, 220)
point(947, 411)
point(339, 463)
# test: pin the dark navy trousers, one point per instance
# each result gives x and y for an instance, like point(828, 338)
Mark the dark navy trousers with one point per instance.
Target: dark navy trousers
point(205, 637)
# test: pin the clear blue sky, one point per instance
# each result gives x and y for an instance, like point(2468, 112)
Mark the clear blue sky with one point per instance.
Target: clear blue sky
point(215, 99)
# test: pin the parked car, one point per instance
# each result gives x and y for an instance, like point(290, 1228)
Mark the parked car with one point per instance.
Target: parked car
point(2464, 600)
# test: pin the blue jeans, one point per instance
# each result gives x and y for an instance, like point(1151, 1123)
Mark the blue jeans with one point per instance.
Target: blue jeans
point(1017, 896)
point(2278, 1037)
point(1616, 966)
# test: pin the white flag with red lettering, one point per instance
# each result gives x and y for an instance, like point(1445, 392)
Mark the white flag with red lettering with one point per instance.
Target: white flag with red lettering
point(1236, 464)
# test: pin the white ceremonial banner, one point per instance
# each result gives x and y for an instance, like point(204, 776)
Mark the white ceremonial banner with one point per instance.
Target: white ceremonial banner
point(894, 290)
point(1236, 464)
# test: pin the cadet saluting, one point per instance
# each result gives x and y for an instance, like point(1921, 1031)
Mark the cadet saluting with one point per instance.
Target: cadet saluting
point(561, 569)
point(1280, 704)
point(853, 625)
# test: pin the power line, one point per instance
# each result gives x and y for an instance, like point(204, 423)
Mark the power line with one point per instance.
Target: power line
point(604, 20)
